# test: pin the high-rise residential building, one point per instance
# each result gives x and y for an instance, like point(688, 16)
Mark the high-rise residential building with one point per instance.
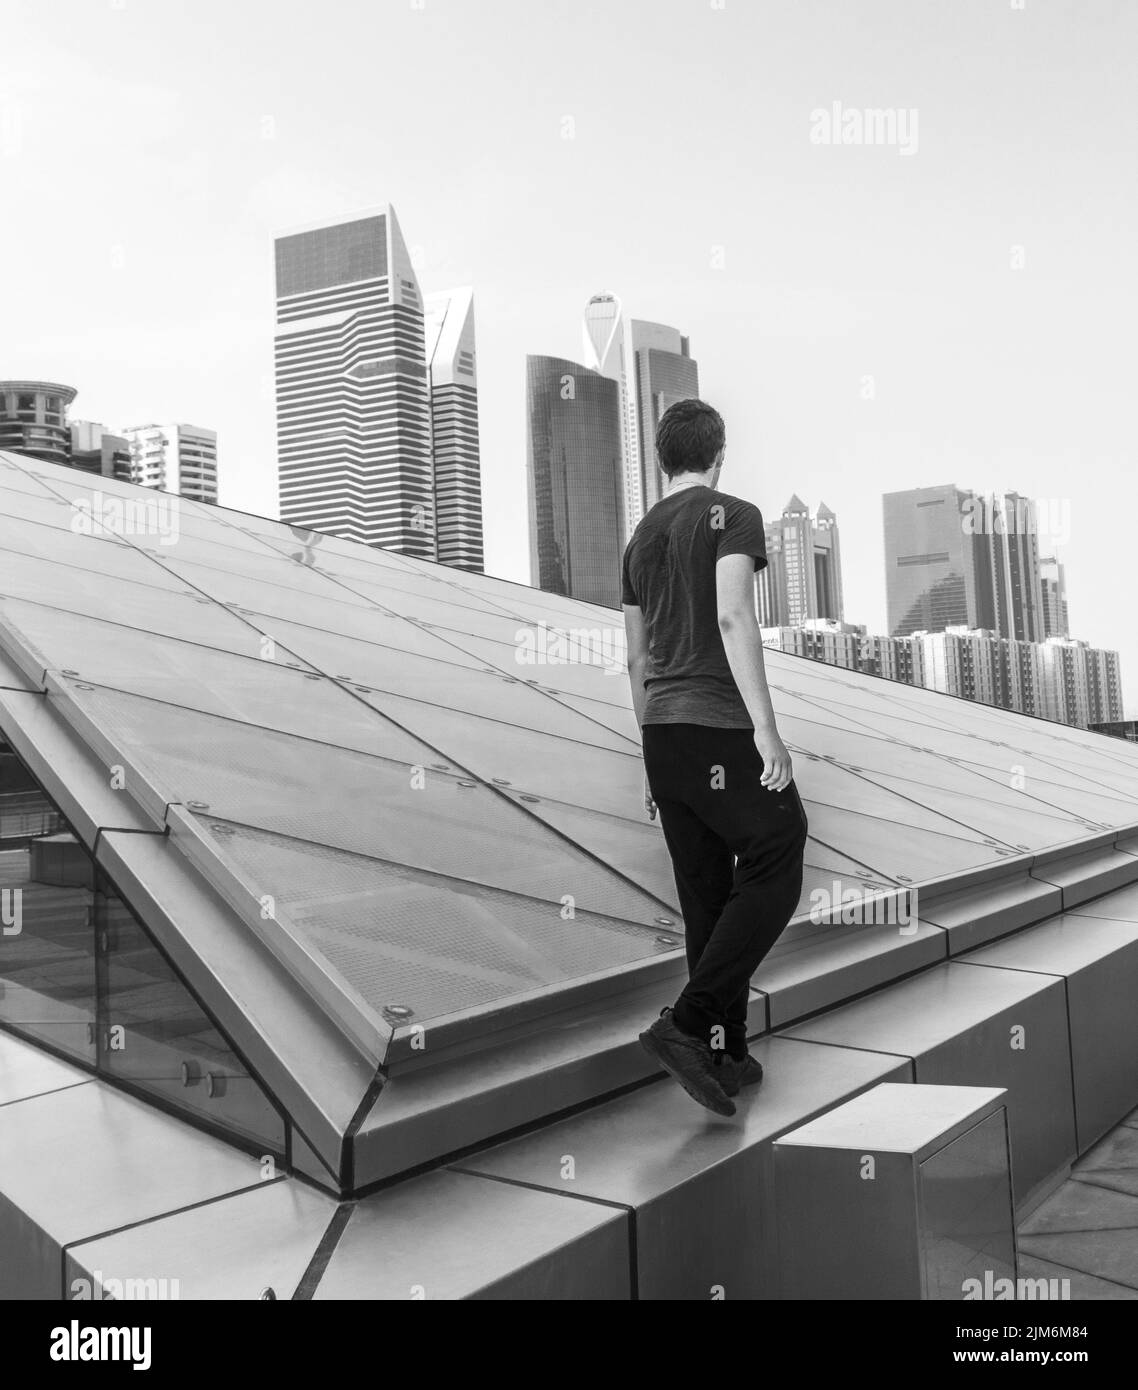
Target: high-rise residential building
point(96, 450)
point(891, 658)
point(803, 575)
point(176, 458)
point(1053, 583)
point(574, 477)
point(1064, 681)
point(931, 560)
point(1058, 679)
point(353, 412)
point(33, 419)
point(452, 376)
point(653, 368)
point(978, 664)
point(1083, 684)
point(820, 639)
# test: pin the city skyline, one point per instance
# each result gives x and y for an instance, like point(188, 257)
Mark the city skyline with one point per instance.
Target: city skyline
point(833, 295)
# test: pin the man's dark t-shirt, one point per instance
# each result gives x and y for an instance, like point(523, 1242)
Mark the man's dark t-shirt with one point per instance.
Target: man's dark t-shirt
point(669, 574)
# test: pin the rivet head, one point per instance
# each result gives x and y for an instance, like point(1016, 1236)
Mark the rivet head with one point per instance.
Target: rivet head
point(667, 941)
point(214, 1085)
point(198, 805)
point(222, 829)
point(500, 782)
point(398, 1013)
point(467, 784)
point(525, 797)
point(191, 1073)
point(665, 922)
point(268, 1294)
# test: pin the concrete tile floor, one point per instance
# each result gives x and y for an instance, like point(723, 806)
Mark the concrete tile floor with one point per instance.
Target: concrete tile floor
point(1087, 1231)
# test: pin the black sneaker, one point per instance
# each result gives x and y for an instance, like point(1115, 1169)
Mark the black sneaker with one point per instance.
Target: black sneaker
point(690, 1061)
point(736, 1073)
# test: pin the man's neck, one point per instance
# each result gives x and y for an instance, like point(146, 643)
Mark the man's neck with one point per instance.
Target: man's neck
point(685, 480)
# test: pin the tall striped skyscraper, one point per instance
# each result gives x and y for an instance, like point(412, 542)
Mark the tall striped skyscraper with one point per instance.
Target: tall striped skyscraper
point(353, 411)
point(452, 374)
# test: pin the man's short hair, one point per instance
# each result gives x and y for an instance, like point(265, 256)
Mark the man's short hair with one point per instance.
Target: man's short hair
point(689, 437)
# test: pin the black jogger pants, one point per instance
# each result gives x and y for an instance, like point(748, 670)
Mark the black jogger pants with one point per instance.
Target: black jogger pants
point(737, 855)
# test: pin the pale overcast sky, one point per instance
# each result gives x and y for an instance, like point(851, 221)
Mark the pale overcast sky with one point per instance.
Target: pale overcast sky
point(150, 150)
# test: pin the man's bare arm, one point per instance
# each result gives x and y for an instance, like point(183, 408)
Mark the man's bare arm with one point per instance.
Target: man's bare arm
point(636, 640)
point(743, 644)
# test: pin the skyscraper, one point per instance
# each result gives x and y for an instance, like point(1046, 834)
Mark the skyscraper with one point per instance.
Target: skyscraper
point(176, 458)
point(931, 561)
point(652, 366)
point(573, 472)
point(452, 375)
point(956, 558)
point(802, 580)
point(353, 415)
point(33, 419)
point(1009, 592)
point(664, 373)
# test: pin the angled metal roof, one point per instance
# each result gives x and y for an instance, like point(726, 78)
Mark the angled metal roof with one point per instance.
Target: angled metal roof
point(385, 816)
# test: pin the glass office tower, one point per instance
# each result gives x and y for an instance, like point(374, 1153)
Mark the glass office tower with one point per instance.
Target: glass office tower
point(573, 461)
point(932, 570)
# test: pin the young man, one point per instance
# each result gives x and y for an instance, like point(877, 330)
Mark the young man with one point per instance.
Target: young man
point(717, 770)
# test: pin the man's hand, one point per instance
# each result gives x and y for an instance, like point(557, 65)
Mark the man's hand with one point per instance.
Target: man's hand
point(777, 769)
point(649, 804)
